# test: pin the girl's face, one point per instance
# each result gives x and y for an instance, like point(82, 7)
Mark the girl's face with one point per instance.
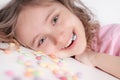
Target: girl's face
point(52, 29)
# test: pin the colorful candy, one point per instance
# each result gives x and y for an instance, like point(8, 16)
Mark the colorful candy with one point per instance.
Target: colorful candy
point(56, 65)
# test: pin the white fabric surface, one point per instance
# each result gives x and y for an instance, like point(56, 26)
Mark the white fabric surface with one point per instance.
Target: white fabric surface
point(15, 64)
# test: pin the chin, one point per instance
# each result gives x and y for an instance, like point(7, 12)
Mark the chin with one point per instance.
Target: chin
point(80, 50)
point(64, 55)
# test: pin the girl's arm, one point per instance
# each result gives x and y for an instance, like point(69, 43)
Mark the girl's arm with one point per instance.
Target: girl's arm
point(108, 63)
point(105, 62)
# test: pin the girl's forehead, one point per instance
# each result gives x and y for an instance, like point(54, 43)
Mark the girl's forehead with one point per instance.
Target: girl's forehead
point(33, 11)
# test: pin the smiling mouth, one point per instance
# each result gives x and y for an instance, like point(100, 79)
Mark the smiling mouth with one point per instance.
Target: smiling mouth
point(71, 41)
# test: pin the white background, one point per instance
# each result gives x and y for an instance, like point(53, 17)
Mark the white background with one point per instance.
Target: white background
point(107, 11)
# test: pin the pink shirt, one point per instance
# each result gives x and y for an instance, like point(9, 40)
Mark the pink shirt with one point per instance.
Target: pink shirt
point(109, 40)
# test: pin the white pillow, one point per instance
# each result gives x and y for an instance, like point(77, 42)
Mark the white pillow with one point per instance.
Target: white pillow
point(21, 64)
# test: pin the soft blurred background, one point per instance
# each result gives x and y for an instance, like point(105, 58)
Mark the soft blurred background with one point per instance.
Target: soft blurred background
point(107, 11)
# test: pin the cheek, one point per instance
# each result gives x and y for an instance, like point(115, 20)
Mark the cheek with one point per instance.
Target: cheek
point(49, 49)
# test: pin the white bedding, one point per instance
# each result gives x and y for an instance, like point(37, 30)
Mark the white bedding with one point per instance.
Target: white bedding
point(21, 64)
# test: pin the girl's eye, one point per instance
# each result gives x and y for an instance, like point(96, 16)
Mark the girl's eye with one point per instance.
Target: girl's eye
point(55, 19)
point(41, 41)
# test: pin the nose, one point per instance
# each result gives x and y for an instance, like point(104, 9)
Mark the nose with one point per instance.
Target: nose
point(58, 38)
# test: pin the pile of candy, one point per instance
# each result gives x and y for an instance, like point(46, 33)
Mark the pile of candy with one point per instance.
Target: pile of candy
point(34, 68)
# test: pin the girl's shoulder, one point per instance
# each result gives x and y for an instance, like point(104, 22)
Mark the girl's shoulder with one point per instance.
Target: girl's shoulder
point(111, 30)
point(109, 39)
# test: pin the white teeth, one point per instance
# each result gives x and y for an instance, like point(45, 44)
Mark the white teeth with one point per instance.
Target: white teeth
point(74, 37)
point(70, 41)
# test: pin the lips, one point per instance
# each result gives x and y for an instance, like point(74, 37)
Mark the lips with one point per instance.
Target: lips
point(70, 42)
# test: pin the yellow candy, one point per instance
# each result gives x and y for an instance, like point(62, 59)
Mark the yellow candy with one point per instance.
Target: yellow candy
point(44, 65)
point(12, 44)
point(30, 69)
point(38, 52)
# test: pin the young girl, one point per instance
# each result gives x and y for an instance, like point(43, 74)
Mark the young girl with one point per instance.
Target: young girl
point(63, 28)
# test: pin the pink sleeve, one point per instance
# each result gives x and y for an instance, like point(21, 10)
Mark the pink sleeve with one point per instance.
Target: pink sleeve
point(109, 40)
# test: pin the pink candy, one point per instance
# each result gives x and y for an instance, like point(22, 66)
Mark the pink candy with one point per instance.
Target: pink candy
point(9, 73)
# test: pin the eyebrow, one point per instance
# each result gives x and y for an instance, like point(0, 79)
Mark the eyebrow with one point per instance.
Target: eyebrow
point(47, 17)
point(49, 14)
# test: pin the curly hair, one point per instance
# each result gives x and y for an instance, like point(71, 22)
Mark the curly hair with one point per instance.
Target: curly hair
point(10, 13)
